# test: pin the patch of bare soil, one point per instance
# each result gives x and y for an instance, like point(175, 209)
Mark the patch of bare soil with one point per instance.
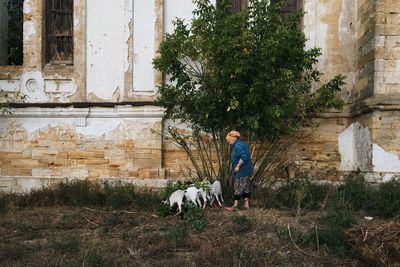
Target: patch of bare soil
point(65, 236)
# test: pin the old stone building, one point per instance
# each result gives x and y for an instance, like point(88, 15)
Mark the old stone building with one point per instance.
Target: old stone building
point(88, 77)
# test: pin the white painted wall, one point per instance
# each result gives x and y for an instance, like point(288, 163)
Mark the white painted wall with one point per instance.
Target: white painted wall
point(384, 161)
point(315, 31)
point(144, 47)
point(106, 46)
point(358, 153)
point(355, 148)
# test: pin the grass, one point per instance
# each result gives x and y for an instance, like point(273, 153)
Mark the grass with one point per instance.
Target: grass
point(84, 223)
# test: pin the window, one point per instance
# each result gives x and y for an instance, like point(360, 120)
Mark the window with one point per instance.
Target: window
point(11, 32)
point(289, 6)
point(239, 5)
point(59, 46)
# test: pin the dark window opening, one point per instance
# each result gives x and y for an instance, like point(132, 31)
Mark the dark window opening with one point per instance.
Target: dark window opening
point(59, 48)
point(288, 6)
point(11, 32)
point(239, 5)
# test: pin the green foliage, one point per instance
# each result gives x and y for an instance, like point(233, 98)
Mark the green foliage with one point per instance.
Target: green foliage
point(84, 192)
point(172, 187)
point(300, 195)
point(4, 202)
point(241, 70)
point(355, 191)
point(340, 217)
point(79, 192)
point(15, 31)
point(242, 224)
point(163, 211)
point(194, 218)
point(6, 98)
point(245, 70)
point(385, 201)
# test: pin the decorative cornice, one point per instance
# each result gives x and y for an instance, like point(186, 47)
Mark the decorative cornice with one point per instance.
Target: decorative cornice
point(90, 112)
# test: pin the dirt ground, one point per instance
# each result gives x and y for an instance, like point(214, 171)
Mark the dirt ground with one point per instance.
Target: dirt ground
point(83, 236)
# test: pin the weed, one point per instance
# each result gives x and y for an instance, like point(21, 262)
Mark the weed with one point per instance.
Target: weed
point(163, 211)
point(119, 196)
point(147, 200)
point(67, 245)
point(300, 195)
point(194, 218)
point(93, 259)
point(13, 252)
point(80, 192)
point(339, 217)
point(385, 201)
point(355, 192)
point(242, 224)
point(172, 187)
point(4, 202)
point(176, 233)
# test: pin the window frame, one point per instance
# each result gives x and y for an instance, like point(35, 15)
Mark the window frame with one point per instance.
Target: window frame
point(51, 38)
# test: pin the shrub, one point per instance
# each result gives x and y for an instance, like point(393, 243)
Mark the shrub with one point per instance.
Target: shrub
point(355, 191)
point(79, 192)
point(339, 217)
point(300, 195)
point(194, 217)
point(172, 187)
point(242, 224)
point(385, 201)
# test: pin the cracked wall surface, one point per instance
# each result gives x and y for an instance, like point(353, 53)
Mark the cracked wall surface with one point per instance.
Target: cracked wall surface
point(95, 119)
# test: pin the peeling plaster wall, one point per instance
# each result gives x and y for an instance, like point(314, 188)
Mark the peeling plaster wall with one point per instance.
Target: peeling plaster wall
point(44, 83)
point(106, 46)
point(358, 153)
point(384, 161)
point(144, 21)
point(330, 25)
point(355, 148)
point(93, 143)
point(114, 44)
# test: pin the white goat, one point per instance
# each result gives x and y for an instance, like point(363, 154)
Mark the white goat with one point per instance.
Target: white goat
point(204, 194)
point(216, 192)
point(192, 194)
point(176, 198)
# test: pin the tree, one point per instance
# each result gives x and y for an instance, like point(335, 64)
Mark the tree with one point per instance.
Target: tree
point(245, 70)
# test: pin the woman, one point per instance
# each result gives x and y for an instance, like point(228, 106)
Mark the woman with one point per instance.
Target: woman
point(243, 168)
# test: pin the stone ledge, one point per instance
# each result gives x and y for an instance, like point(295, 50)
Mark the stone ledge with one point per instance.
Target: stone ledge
point(23, 184)
point(91, 112)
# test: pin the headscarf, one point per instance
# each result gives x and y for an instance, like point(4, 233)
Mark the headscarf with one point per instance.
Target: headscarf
point(233, 135)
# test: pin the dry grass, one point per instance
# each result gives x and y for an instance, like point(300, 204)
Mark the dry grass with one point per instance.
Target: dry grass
point(378, 243)
point(79, 236)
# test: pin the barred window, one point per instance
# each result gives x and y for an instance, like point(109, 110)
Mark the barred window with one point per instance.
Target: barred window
point(11, 32)
point(59, 45)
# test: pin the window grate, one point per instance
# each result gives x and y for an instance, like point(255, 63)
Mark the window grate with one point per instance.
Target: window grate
point(59, 31)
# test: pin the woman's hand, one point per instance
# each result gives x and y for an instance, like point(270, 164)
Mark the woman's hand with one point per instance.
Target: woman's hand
point(237, 168)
